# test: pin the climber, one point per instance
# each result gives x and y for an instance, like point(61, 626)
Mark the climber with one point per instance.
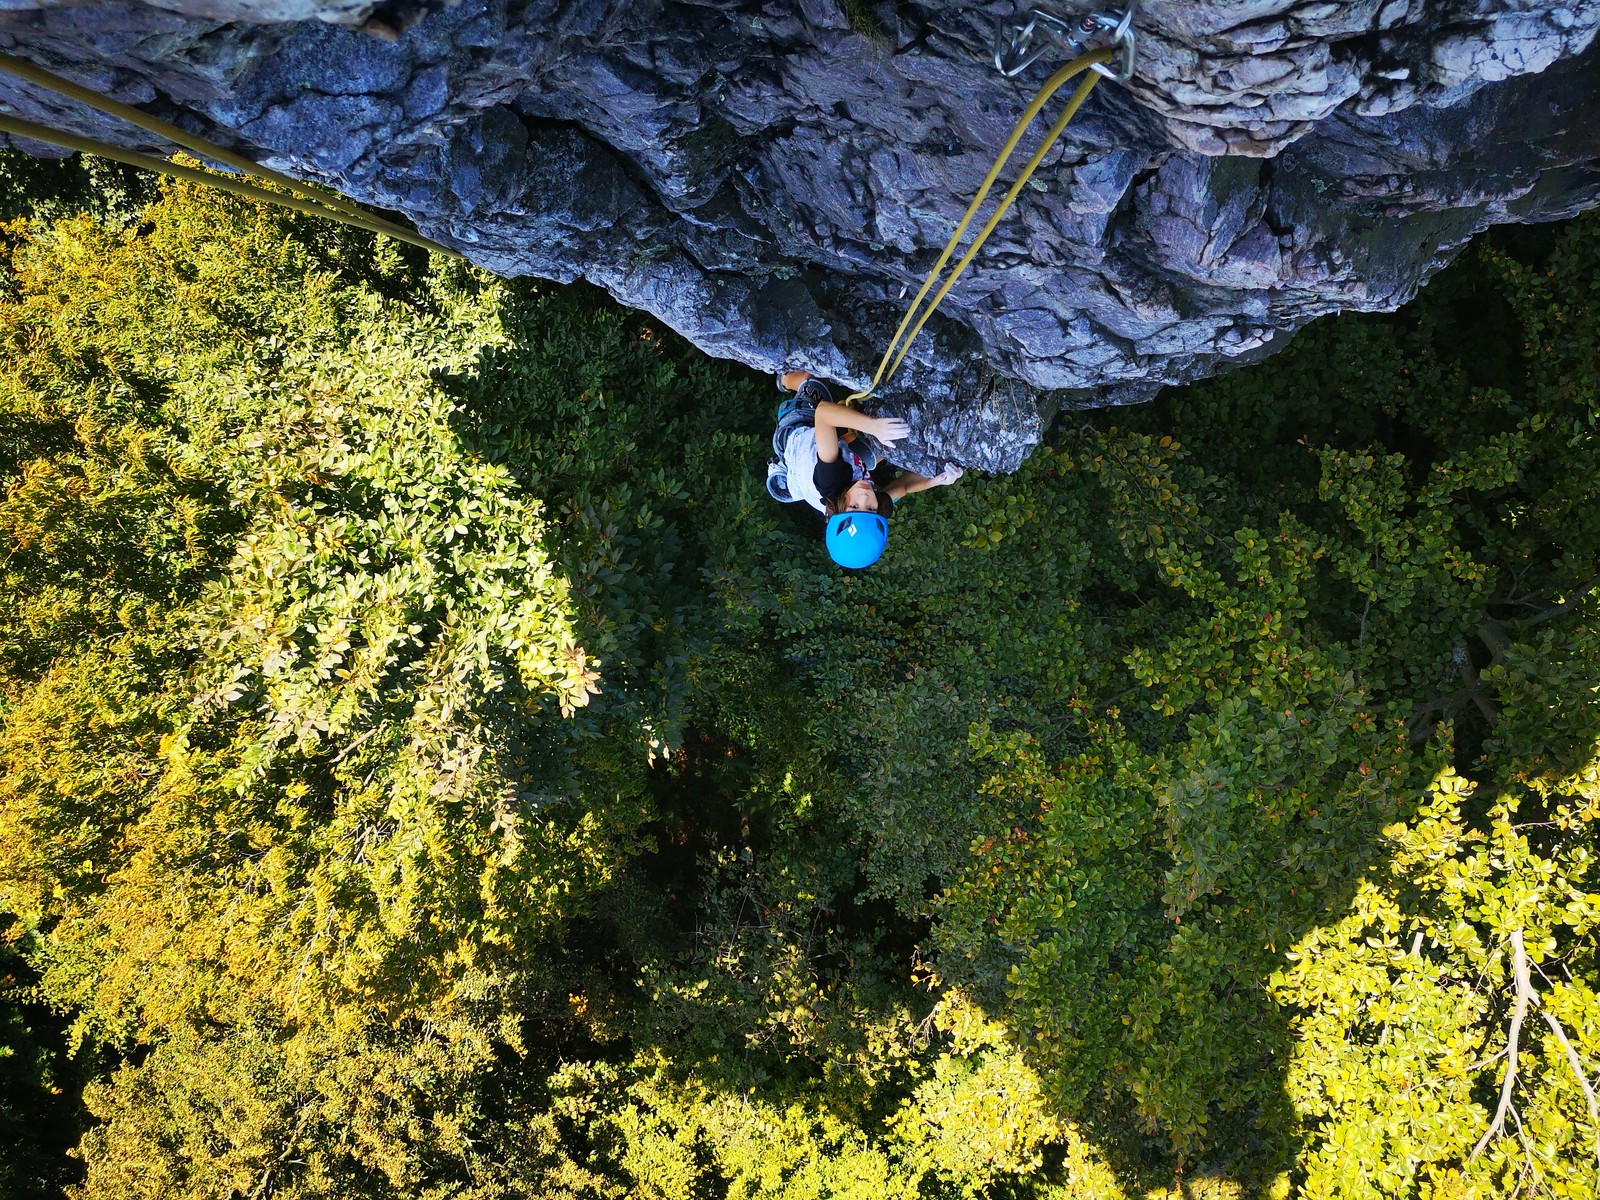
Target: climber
point(819, 459)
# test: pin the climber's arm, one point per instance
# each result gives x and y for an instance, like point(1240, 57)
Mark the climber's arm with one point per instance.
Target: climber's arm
point(833, 417)
point(909, 484)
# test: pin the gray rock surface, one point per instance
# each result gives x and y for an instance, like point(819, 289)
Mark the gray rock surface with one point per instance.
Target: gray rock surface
point(770, 181)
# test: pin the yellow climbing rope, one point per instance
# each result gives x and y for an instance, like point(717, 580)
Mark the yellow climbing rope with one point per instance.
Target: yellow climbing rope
point(912, 323)
point(316, 202)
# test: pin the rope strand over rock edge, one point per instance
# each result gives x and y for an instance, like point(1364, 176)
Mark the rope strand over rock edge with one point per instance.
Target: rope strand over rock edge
point(317, 202)
point(895, 354)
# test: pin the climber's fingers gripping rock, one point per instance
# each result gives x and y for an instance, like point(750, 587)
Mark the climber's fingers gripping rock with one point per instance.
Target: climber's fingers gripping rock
point(889, 431)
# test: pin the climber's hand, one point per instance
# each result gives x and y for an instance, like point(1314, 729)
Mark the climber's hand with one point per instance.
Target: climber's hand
point(889, 430)
point(947, 476)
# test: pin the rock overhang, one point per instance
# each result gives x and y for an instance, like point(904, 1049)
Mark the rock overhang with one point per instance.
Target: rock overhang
point(773, 183)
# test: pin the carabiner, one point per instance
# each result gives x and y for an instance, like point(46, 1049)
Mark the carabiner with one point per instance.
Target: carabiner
point(1015, 50)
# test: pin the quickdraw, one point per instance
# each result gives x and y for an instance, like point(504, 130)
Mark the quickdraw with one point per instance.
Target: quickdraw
point(1015, 51)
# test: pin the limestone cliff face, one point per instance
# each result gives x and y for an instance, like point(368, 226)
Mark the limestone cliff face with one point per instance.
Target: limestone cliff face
point(769, 179)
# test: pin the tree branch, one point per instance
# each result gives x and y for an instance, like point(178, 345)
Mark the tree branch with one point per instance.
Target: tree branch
point(1583, 1080)
point(1473, 684)
point(1530, 1164)
point(1493, 635)
point(1519, 970)
point(1571, 603)
point(348, 750)
point(1361, 638)
point(302, 1118)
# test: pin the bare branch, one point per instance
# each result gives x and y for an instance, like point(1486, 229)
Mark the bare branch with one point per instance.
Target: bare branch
point(1519, 970)
point(348, 750)
point(1530, 1170)
point(1583, 1080)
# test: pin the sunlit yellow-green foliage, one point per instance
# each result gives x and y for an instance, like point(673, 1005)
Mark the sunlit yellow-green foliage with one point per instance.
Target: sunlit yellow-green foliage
point(976, 1116)
point(277, 650)
point(383, 604)
point(431, 767)
point(1396, 1031)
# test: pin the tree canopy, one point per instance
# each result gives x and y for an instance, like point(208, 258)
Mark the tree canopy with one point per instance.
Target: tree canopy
point(431, 767)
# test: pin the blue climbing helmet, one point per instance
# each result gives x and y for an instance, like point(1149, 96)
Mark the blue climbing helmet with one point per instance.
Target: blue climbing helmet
point(856, 539)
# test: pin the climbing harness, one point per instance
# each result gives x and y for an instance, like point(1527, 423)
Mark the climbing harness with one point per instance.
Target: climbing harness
point(316, 202)
point(1015, 52)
